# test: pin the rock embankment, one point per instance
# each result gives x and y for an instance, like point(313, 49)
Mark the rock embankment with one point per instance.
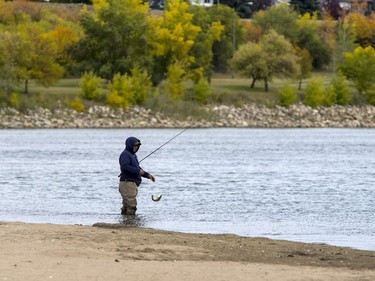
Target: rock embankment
point(295, 116)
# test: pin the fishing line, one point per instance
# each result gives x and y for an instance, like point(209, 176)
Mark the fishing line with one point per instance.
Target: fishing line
point(165, 143)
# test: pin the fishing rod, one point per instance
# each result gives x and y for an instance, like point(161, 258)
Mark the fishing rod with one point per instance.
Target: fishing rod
point(165, 143)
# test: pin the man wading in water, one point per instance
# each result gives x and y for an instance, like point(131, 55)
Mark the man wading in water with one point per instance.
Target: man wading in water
point(130, 177)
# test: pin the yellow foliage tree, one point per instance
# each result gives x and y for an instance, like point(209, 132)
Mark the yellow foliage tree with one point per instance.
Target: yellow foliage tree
point(364, 28)
point(177, 32)
point(176, 35)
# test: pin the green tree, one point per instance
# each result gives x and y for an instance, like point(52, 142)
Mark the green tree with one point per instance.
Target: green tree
point(281, 59)
point(272, 57)
point(280, 18)
point(250, 62)
point(230, 38)
point(303, 31)
point(11, 47)
point(310, 37)
point(116, 38)
point(359, 67)
point(202, 50)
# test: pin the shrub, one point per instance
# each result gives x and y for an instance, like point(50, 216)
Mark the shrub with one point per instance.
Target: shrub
point(140, 85)
point(314, 93)
point(329, 96)
point(115, 100)
point(14, 100)
point(342, 90)
point(202, 91)
point(371, 97)
point(125, 90)
point(120, 95)
point(89, 86)
point(76, 104)
point(174, 86)
point(287, 95)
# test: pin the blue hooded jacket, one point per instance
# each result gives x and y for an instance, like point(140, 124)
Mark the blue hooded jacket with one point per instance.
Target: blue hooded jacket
point(129, 164)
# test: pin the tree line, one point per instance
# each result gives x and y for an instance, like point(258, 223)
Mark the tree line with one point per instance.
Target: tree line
point(175, 53)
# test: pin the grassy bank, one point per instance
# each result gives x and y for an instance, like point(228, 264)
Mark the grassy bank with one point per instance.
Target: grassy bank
point(225, 89)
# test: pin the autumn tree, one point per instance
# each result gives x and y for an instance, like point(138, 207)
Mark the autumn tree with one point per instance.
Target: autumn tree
point(39, 63)
point(34, 46)
point(184, 45)
point(272, 57)
point(363, 27)
point(176, 37)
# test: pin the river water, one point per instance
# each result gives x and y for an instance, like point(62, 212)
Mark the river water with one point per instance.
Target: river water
point(309, 185)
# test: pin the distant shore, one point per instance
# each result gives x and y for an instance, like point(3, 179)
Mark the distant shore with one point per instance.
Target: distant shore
point(247, 116)
point(119, 252)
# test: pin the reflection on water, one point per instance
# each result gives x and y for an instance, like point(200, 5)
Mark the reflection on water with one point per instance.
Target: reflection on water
point(311, 185)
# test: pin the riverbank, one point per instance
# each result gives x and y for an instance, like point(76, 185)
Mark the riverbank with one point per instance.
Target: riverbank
point(247, 116)
point(118, 252)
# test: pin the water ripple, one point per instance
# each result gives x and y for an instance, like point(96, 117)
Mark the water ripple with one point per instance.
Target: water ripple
point(311, 185)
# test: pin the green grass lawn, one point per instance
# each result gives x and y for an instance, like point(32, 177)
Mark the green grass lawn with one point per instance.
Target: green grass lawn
point(237, 90)
point(225, 90)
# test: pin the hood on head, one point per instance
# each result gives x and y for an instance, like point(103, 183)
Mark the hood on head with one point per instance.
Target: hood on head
point(130, 142)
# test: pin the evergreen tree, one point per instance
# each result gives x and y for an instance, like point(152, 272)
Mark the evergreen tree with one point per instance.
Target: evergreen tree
point(303, 6)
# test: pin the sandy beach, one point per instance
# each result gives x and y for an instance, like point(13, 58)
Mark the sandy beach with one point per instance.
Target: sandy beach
point(120, 252)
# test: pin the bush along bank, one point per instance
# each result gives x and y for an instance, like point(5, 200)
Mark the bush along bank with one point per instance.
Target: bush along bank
point(247, 116)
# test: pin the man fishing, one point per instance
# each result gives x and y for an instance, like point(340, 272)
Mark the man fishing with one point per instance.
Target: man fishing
point(131, 176)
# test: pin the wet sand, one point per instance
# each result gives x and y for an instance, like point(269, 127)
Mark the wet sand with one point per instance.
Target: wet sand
point(120, 252)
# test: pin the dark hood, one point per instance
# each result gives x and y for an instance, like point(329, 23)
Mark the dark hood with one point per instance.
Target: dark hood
point(130, 142)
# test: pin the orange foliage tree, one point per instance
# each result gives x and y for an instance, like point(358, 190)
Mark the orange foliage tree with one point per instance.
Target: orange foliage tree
point(364, 28)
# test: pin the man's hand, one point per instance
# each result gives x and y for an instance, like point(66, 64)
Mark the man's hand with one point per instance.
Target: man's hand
point(151, 177)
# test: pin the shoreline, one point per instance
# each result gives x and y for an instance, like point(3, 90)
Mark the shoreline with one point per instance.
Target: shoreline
point(111, 251)
point(247, 116)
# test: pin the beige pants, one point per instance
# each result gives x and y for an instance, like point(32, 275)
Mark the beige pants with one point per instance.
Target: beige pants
point(129, 191)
